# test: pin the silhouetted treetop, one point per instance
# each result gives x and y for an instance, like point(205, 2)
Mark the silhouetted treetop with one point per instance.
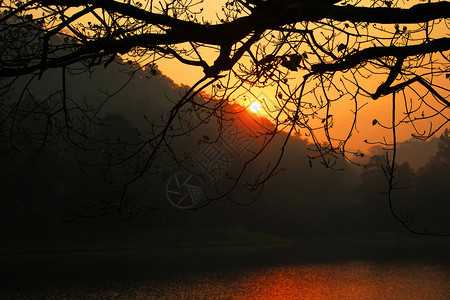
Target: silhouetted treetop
point(120, 27)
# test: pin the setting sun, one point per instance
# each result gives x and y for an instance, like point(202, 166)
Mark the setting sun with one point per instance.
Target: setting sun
point(255, 106)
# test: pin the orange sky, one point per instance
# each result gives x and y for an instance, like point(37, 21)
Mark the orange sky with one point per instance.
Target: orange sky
point(379, 109)
point(376, 109)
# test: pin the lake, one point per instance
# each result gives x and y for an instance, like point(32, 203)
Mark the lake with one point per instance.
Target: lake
point(343, 280)
point(313, 269)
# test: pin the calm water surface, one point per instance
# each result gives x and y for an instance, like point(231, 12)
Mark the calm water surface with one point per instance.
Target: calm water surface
point(227, 275)
point(345, 280)
point(349, 280)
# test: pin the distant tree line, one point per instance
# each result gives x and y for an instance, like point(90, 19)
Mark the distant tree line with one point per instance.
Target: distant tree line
point(50, 189)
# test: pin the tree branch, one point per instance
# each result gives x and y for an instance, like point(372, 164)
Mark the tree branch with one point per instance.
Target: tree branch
point(126, 10)
point(384, 87)
point(364, 55)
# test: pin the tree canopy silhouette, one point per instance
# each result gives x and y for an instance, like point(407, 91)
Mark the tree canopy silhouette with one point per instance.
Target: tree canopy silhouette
point(312, 56)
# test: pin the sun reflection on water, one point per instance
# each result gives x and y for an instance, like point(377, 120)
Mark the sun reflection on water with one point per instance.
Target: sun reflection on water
point(351, 280)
